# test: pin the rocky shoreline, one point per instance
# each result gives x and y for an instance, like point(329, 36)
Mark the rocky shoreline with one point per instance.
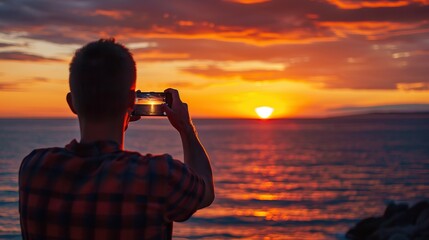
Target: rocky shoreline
point(399, 222)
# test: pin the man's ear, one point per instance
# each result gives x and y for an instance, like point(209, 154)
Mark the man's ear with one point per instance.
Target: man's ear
point(70, 102)
point(131, 99)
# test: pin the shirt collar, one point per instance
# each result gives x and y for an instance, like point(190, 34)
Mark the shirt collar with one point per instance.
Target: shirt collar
point(92, 149)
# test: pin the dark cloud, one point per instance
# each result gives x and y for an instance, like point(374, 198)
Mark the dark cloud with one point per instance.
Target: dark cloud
point(20, 56)
point(9, 86)
point(21, 84)
point(2, 45)
point(8, 45)
point(338, 43)
point(408, 13)
point(295, 20)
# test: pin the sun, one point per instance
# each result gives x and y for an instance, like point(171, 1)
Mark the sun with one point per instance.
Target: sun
point(264, 112)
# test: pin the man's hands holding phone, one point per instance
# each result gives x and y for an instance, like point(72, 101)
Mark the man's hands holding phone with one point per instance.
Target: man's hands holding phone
point(178, 114)
point(194, 153)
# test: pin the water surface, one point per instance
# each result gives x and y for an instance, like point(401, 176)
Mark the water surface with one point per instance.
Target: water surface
point(276, 179)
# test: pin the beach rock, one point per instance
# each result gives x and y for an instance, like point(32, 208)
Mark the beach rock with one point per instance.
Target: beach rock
point(399, 222)
point(404, 218)
point(393, 209)
point(364, 228)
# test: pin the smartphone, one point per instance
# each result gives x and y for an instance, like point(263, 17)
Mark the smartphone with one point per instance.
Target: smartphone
point(150, 103)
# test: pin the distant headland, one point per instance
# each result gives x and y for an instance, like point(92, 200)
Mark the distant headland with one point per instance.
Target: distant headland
point(382, 115)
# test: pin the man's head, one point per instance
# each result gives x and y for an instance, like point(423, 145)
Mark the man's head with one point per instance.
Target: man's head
point(102, 80)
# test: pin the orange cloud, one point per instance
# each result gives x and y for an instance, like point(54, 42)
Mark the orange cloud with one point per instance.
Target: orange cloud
point(115, 14)
point(248, 1)
point(279, 22)
point(186, 23)
point(420, 86)
point(249, 75)
point(156, 55)
point(368, 28)
point(352, 4)
point(328, 65)
point(252, 36)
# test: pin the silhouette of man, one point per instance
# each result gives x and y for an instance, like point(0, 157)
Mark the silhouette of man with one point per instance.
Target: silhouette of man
point(93, 188)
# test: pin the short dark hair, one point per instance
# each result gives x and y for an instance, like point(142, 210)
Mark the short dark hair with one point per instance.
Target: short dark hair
point(102, 73)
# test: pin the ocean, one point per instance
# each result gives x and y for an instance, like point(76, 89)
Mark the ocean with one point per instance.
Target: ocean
point(275, 179)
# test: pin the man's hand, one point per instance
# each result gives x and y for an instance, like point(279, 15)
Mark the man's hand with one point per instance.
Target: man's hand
point(178, 114)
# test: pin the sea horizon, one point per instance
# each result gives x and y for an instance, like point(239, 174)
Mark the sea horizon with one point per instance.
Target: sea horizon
point(387, 114)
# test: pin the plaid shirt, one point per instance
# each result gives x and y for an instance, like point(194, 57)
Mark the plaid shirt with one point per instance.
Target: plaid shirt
point(97, 191)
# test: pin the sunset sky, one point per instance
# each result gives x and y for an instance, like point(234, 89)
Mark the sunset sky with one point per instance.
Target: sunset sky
point(304, 58)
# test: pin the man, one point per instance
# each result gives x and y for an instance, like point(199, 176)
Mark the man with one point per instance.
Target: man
point(93, 189)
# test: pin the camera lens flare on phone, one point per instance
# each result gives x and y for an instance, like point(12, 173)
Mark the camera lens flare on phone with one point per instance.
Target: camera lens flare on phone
point(264, 112)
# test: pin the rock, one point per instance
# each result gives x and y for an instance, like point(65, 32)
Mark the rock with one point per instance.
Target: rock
point(364, 228)
point(393, 209)
point(399, 222)
point(407, 217)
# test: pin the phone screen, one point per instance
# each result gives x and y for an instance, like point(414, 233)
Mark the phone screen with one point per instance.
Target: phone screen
point(149, 104)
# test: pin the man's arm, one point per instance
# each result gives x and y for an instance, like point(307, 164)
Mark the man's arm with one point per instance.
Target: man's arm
point(194, 153)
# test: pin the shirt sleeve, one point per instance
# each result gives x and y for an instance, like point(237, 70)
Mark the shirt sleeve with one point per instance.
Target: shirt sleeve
point(185, 191)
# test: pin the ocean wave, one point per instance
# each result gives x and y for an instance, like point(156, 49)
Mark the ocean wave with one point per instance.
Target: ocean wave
point(213, 236)
point(254, 221)
point(282, 203)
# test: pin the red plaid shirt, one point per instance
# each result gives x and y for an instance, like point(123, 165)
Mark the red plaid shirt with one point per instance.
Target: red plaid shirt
point(97, 191)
